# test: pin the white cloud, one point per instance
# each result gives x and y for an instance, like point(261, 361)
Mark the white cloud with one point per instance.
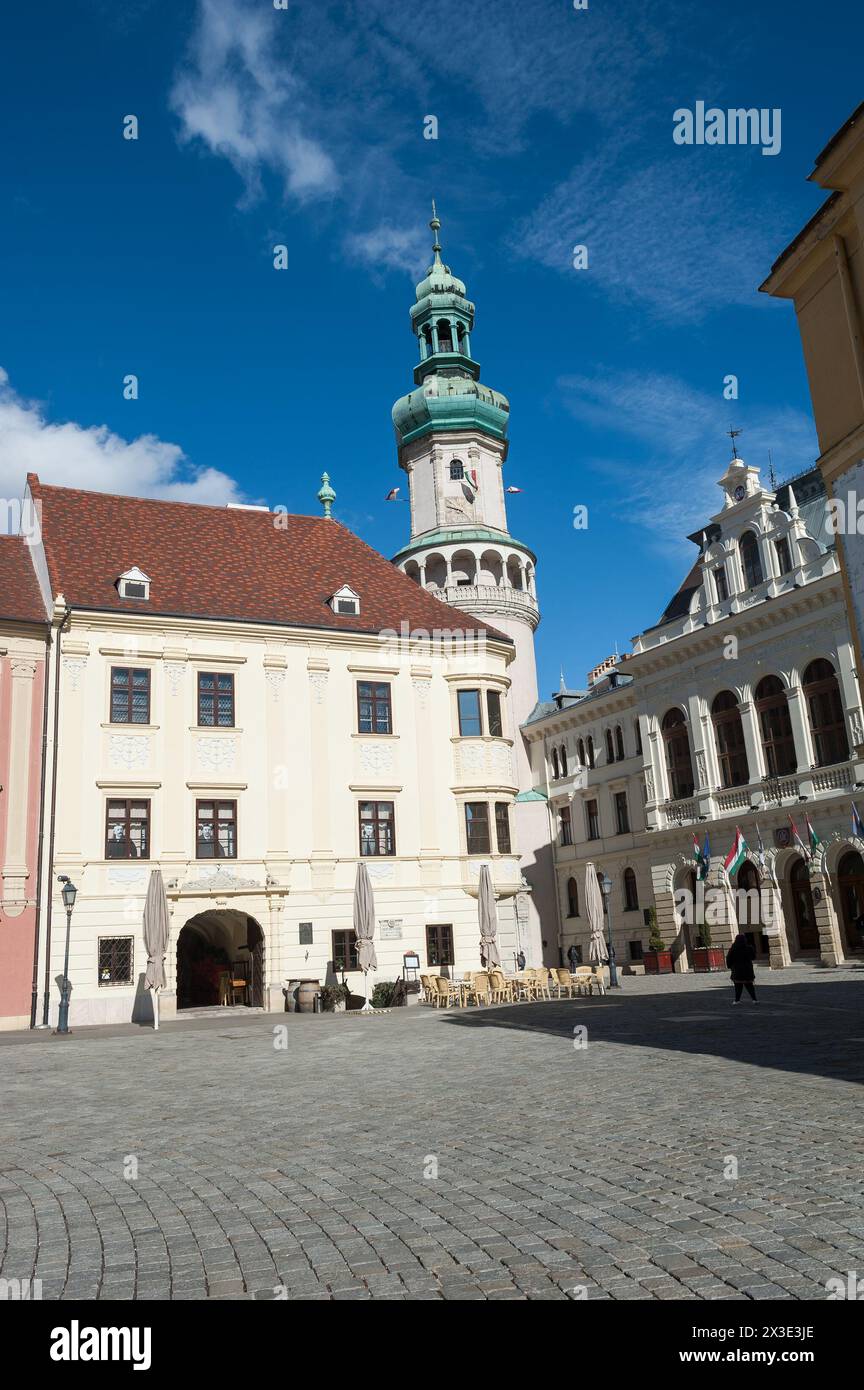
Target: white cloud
point(678, 234)
point(245, 104)
point(387, 247)
point(664, 481)
point(95, 458)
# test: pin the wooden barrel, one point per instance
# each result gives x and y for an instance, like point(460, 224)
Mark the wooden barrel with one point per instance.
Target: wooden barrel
point(306, 996)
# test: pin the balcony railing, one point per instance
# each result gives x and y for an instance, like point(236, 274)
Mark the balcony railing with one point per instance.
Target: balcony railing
point(460, 594)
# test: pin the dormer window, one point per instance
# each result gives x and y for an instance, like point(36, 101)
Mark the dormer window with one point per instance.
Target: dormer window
point(345, 602)
point(134, 584)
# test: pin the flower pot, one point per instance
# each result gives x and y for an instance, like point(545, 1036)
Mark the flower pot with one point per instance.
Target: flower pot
point(706, 958)
point(658, 962)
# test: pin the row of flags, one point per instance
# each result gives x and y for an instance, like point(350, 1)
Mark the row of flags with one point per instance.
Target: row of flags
point(738, 851)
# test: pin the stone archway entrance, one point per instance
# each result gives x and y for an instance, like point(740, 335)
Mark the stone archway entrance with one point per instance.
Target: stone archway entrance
point(214, 944)
point(850, 893)
point(803, 909)
point(749, 908)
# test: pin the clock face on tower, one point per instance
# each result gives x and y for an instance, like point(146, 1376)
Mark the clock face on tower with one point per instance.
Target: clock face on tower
point(740, 492)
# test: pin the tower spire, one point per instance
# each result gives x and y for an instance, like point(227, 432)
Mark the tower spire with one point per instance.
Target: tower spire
point(435, 226)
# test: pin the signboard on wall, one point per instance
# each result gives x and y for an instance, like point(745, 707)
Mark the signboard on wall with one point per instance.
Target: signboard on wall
point(391, 928)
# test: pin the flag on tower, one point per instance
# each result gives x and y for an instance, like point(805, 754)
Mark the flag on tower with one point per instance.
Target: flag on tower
point(737, 854)
point(513, 489)
point(857, 827)
point(393, 495)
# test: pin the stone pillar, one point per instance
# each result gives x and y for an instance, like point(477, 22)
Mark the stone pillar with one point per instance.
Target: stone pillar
point(850, 694)
point(752, 740)
point(773, 914)
point(421, 338)
point(466, 343)
point(16, 870)
point(830, 941)
point(435, 347)
point(801, 734)
point(422, 569)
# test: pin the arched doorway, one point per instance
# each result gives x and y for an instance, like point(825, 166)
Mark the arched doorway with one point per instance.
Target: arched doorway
point(749, 908)
point(803, 909)
point(850, 884)
point(687, 916)
point(216, 943)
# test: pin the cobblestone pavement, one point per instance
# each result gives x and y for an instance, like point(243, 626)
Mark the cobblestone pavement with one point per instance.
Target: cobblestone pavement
point(457, 1155)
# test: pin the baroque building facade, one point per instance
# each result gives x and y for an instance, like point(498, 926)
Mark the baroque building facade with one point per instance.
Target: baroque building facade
point(234, 704)
point(822, 272)
point(452, 440)
point(740, 708)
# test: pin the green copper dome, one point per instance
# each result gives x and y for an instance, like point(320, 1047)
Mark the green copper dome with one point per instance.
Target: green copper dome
point(450, 403)
point(449, 394)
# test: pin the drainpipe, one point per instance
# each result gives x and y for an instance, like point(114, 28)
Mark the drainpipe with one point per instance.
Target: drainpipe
point(57, 625)
point(34, 992)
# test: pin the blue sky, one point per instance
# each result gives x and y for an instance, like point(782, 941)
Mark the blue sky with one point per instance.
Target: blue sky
point(304, 127)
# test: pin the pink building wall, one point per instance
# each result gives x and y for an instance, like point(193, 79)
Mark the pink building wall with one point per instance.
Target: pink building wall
point(18, 928)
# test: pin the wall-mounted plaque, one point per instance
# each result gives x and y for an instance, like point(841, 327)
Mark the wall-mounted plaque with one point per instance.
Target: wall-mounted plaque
point(305, 933)
point(391, 928)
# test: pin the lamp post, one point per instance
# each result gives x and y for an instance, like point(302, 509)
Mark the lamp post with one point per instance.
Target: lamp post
point(69, 893)
point(606, 884)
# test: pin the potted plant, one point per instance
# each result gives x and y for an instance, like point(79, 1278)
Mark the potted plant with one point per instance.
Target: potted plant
point(334, 998)
point(705, 956)
point(658, 957)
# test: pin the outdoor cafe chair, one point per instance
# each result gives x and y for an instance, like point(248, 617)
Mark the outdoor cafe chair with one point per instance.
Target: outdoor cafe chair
point(480, 990)
point(565, 982)
point(502, 988)
point(448, 993)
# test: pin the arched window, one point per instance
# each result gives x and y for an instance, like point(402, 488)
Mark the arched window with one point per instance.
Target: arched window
point(631, 894)
point(563, 758)
point(590, 751)
point(572, 898)
point(825, 709)
point(677, 741)
point(610, 747)
point(445, 336)
point(748, 547)
point(457, 470)
point(581, 746)
point(729, 736)
point(776, 727)
point(637, 730)
point(555, 772)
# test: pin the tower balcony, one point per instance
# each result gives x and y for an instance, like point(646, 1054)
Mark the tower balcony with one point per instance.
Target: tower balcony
point(493, 598)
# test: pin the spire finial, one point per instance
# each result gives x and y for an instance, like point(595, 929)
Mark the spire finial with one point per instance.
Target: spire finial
point(326, 495)
point(733, 435)
point(435, 225)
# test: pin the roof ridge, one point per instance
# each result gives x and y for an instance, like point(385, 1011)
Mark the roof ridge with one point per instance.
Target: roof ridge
point(249, 509)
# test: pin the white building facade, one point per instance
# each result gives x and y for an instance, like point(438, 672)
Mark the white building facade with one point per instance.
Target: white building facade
point(235, 707)
point(740, 709)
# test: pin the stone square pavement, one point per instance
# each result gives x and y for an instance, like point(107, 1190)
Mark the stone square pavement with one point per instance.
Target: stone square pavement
point(448, 1155)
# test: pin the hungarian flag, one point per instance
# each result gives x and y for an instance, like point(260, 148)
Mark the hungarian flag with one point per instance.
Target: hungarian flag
point(815, 842)
point(737, 854)
point(470, 478)
point(857, 827)
point(797, 839)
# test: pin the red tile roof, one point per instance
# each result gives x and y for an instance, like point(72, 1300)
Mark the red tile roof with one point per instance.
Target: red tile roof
point(220, 562)
point(20, 596)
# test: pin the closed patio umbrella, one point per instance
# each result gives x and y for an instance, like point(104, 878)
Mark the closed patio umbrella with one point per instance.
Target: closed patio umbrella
point(156, 925)
point(597, 952)
point(364, 927)
point(489, 953)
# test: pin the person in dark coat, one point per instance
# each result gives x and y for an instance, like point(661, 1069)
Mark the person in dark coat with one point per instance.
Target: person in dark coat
point(739, 959)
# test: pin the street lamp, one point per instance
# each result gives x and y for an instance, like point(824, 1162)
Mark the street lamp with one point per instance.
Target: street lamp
point(606, 884)
point(68, 893)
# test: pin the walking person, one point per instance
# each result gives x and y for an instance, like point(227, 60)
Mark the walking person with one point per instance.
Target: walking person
point(739, 959)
